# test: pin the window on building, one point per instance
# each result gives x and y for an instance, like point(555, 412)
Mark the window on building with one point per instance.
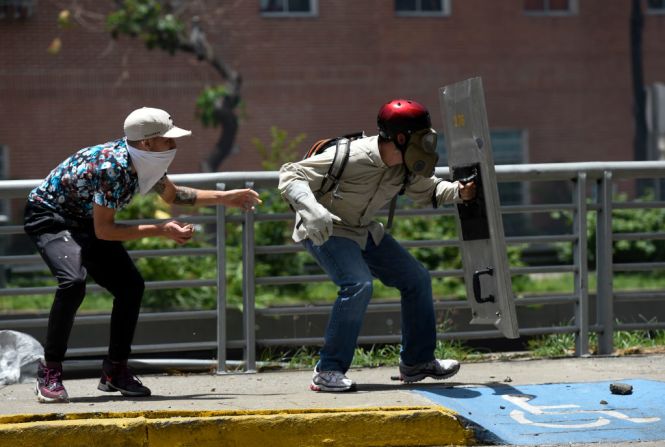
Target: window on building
point(289, 8)
point(550, 7)
point(17, 9)
point(655, 6)
point(422, 7)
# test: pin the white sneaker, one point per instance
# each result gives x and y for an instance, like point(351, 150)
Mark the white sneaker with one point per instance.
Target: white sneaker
point(331, 381)
point(436, 369)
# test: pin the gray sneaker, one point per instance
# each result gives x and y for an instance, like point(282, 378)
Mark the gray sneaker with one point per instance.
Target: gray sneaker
point(331, 381)
point(436, 369)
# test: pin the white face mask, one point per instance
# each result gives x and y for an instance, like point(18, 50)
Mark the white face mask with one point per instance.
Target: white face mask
point(150, 166)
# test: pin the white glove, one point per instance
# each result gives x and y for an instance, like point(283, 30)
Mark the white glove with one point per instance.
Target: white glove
point(316, 219)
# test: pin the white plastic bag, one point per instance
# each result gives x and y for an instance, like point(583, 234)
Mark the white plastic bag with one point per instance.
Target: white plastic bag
point(19, 355)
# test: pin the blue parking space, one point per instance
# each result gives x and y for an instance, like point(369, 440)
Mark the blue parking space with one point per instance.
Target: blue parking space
point(559, 413)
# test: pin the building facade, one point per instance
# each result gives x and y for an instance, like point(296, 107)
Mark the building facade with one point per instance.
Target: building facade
point(557, 73)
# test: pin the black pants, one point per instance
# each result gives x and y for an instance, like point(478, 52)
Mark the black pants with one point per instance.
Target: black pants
point(72, 251)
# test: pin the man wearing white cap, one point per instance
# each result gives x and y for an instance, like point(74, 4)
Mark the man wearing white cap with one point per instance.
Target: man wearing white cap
point(71, 219)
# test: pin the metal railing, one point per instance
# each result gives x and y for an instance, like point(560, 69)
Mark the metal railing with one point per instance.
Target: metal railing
point(591, 185)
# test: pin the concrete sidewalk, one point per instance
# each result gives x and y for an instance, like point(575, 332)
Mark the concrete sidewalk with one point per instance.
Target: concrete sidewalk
point(277, 407)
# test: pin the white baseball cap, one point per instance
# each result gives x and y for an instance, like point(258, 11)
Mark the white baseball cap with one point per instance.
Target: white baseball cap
point(148, 122)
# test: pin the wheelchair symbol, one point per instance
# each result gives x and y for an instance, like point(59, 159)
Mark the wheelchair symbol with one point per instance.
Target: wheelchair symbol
point(522, 401)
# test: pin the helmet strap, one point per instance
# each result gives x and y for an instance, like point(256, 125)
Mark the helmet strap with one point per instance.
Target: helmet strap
point(407, 173)
point(402, 149)
point(407, 176)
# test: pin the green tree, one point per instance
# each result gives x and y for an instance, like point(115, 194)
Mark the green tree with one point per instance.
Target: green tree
point(160, 25)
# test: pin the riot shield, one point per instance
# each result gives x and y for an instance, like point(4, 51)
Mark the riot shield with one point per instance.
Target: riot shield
point(482, 242)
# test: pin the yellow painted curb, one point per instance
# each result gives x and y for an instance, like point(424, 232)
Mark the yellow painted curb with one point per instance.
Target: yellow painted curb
point(352, 427)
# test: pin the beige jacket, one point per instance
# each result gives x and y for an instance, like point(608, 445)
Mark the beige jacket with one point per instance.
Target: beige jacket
point(366, 186)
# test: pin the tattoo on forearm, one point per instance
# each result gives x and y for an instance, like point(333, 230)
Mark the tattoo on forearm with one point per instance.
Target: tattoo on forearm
point(160, 186)
point(184, 195)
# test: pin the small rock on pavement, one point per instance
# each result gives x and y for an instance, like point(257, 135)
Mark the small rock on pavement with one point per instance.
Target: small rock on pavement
point(621, 388)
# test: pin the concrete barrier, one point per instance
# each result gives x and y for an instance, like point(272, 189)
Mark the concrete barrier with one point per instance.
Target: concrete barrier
point(352, 427)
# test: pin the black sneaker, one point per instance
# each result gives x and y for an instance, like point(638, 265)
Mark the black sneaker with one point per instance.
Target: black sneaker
point(118, 377)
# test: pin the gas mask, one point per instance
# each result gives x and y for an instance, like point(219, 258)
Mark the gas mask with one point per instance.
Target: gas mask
point(420, 155)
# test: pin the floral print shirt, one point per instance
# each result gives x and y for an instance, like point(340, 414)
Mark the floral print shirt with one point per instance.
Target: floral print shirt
point(102, 175)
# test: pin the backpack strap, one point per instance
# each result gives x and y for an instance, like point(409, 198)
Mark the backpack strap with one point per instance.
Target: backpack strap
point(331, 179)
point(342, 151)
point(391, 212)
point(324, 144)
point(319, 147)
point(393, 202)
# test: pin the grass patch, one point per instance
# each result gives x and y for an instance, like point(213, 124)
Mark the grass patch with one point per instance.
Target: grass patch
point(305, 357)
point(564, 283)
point(561, 345)
point(547, 346)
point(93, 303)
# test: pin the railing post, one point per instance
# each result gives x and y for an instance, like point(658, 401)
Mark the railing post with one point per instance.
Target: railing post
point(248, 289)
point(604, 270)
point(581, 266)
point(221, 285)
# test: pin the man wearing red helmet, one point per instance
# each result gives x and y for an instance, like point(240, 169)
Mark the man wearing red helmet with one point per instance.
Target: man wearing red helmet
point(339, 230)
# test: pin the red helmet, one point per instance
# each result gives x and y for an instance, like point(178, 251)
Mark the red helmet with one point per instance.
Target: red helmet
point(402, 116)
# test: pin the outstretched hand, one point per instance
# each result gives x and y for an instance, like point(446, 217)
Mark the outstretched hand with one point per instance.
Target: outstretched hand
point(177, 231)
point(246, 199)
point(467, 191)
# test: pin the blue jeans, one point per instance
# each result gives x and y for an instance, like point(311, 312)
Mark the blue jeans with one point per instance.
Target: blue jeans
point(352, 270)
